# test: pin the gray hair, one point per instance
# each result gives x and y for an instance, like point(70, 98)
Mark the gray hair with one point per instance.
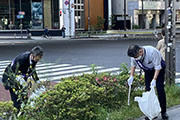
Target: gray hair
point(37, 51)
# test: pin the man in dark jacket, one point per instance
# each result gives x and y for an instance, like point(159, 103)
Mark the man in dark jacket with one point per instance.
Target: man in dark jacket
point(16, 74)
point(63, 29)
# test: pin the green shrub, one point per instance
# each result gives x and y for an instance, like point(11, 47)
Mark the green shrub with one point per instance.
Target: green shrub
point(136, 27)
point(86, 97)
point(69, 100)
point(7, 110)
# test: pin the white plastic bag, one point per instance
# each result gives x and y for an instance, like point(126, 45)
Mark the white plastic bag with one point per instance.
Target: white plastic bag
point(149, 104)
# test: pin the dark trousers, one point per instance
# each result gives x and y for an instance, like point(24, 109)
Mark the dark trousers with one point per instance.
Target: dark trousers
point(159, 85)
point(63, 34)
point(14, 98)
point(16, 102)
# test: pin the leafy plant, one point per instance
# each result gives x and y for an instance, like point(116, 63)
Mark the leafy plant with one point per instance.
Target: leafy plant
point(113, 22)
point(7, 111)
point(100, 23)
point(68, 100)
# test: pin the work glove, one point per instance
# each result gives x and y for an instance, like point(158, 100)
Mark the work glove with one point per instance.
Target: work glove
point(153, 83)
point(130, 80)
point(21, 80)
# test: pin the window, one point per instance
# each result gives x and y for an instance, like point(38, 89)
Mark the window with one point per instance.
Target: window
point(79, 14)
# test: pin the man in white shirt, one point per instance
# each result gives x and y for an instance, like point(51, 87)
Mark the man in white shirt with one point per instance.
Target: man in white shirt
point(150, 60)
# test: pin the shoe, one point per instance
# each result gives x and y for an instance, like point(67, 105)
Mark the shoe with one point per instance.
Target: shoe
point(165, 116)
point(146, 118)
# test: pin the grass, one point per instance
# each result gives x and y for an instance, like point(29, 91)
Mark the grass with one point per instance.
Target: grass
point(126, 113)
point(172, 95)
point(132, 112)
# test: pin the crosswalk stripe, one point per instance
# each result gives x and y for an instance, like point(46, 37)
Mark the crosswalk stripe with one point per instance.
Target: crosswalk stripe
point(53, 66)
point(4, 65)
point(45, 64)
point(178, 74)
point(55, 71)
point(177, 80)
point(66, 72)
point(5, 61)
point(60, 69)
point(57, 78)
point(38, 65)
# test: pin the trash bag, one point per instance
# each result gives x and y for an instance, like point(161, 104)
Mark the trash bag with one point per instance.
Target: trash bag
point(149, 104)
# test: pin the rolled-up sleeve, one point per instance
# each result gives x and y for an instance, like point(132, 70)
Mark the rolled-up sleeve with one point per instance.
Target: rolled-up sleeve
point(133, 63)
point(156, 60)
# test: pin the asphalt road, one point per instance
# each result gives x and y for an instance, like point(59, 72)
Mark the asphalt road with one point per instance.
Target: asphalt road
point(109, 53)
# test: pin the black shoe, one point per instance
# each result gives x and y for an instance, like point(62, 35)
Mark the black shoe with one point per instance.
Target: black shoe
point(165, 116)
point(146, 118)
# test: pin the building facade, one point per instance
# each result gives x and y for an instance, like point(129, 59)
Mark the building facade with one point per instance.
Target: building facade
point(82, 14)
point(31, 13)
point(36, 14)
point(153, 12)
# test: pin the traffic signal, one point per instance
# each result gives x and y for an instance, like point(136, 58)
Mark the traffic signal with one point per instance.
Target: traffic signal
point(60, 13)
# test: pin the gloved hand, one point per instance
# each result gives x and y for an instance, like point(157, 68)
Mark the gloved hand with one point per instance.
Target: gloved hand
point(130, 80)
point(153, 83)
point(21, 80)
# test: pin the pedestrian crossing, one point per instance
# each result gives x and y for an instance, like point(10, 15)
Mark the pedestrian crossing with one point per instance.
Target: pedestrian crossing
point(55, 72)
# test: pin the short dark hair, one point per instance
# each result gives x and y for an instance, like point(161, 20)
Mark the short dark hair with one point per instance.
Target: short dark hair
point(37, 51)
point(133, 50)
point(163, 32)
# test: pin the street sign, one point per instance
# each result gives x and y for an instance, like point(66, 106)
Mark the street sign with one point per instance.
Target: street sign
point(66, 2)
point(21, 13)
point(20, 16)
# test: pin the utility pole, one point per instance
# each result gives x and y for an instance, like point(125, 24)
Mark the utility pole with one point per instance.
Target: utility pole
point(21, 26)
point(125, 27)
point(9, 10)
point(70, 18)
point(142, 14)
point(170, 40)
point(89, 26)
point(125, 15)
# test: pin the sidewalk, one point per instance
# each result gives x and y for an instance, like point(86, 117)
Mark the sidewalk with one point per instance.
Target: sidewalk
point(173, 112)
point(11, 40)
